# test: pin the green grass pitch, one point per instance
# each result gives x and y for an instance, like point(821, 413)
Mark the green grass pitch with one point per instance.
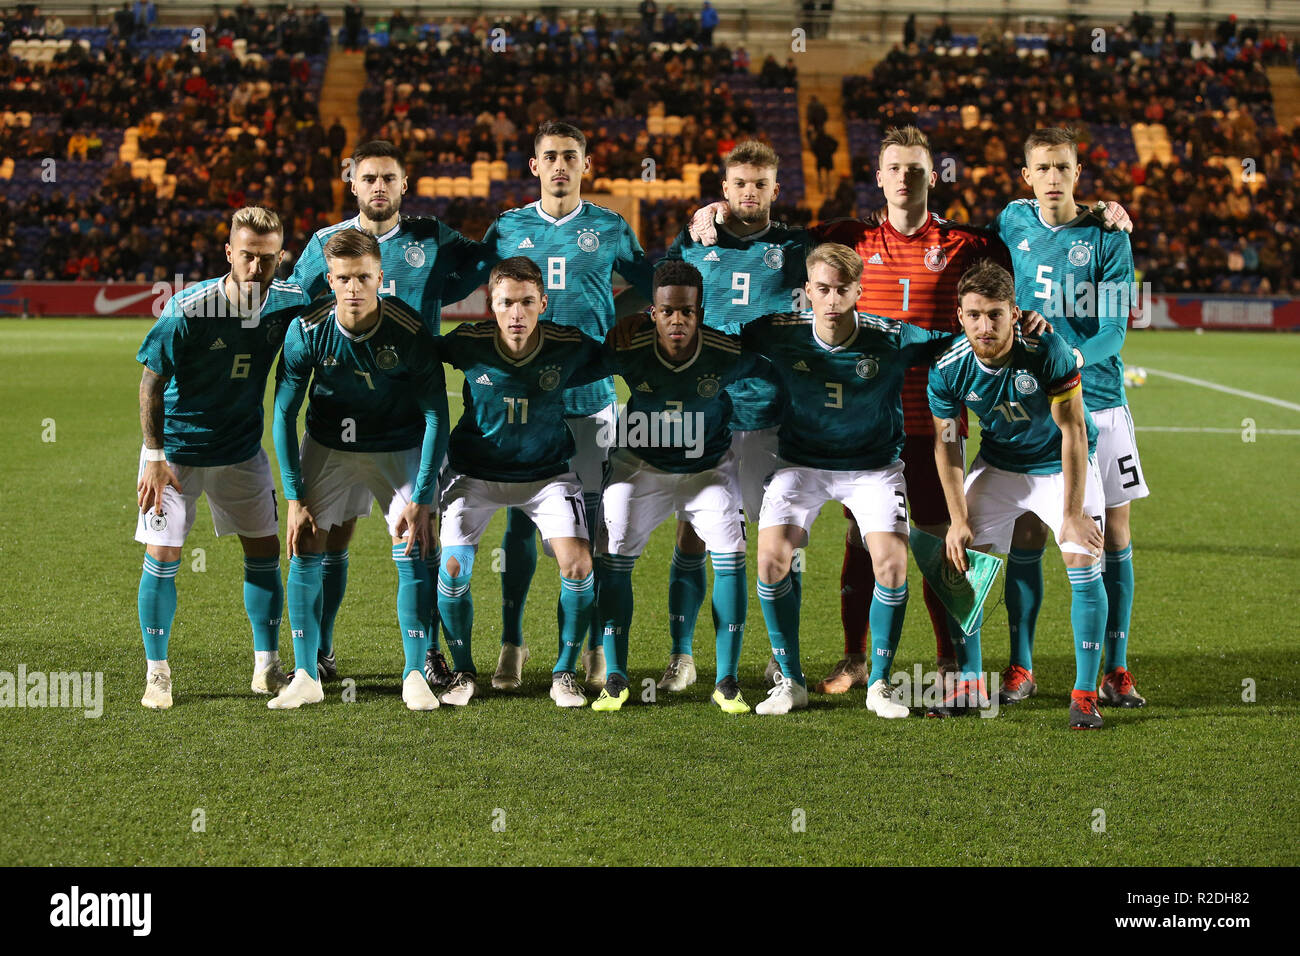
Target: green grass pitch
point(1200, 776)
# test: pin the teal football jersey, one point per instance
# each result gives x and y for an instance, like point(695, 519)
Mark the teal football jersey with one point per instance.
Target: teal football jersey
point(368, 393)
point(215, 359)
point(427, 265)
point(1080, 278)
point(513, 428)
point(1014, 402)
point(744, 278)
point(578, 256)
point(844, 408)
point(677, 415)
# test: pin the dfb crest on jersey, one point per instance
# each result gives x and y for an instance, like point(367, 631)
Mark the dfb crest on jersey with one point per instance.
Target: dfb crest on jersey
point(414, 256)
point(158, 522)
point(774, 258)
point(1080, 253)
point(588, 241)
point(549, 378)
point(935, 258)
point(707, 386)
point(867, 368)
point(275, 331)
point(330, 361)
point(386, 358)
point(1026, 384)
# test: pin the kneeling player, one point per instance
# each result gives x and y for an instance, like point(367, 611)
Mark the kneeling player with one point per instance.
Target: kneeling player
point(376, 426)
point(511, 449)
point(206, 360)
point(840, 439)
point(674, 459)
point(1036, 443)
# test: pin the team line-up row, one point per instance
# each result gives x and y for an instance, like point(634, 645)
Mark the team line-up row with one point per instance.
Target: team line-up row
point(740, 406)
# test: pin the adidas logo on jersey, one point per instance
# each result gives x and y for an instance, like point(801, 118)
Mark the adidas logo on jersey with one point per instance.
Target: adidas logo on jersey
point(713, 257)
point(1024, 245)
point(526, 244)
point(801, 366)
point(875, 260)
point(483, 380)
point(973, 397)
point(218, 344)
point(644, 387)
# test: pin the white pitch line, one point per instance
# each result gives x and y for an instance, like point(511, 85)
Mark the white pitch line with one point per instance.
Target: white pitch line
point(1224, 388)
point(1218, 431)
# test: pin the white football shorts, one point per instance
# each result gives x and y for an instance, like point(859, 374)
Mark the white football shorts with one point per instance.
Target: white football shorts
point(876, 497)
point(756, 460)
point(241, 496)
point(1122, 477)
point(588, 461)
point(996, 498)
point(639, 497)
point(554, 505)
point(339, 485)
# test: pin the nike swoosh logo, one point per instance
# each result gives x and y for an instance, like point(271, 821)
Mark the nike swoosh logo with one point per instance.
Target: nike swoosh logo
point(104, 305)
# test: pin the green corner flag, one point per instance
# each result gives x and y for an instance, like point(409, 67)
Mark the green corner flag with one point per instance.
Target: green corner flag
point(962, 594)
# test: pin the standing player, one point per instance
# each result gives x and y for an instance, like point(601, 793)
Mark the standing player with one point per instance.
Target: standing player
point(578, 246)
point(205, 365)
point(512, 449)
point(427, 265)
point(840, 438)
point(754, 267)
point(675, 458)
point(376, 427)
point(1079, 276)
point(1036, 442)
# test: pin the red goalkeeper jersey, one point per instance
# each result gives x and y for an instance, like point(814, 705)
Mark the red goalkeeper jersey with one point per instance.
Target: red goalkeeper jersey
point(914, 279)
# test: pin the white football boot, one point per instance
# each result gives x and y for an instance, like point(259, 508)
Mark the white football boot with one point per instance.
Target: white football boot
point(593, 665)
point(785, 696)
point(158, 691)
point(461, 690)
point(679, 674)
point(565, 690)
point(884, 701)
point(301, 690)
point(416, 693)
point(271, 679)
point(510, 667)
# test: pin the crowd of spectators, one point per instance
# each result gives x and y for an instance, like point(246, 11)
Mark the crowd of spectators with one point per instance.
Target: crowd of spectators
point(500, 94)
point(1201, 225)
point(230, 131)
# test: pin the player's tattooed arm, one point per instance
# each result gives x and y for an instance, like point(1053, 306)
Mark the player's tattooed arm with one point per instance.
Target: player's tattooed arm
point(157, 475)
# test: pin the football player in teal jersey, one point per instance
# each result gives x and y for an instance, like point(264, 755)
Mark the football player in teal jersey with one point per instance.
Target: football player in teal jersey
point(673, 457)
point(376, 427)
point(427, 265)
point(840, 437)
point(512, 448)
point(578, 245)
point(1036, 445)
point(205, 365)
point(754, 267)
point(1080, 277)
